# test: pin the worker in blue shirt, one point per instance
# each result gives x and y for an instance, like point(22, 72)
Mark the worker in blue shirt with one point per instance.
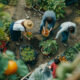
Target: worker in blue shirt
point(49, 17)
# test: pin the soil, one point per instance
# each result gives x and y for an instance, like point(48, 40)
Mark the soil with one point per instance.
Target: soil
point(22, 12)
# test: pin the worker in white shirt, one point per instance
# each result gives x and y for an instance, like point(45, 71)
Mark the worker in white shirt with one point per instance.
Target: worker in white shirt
point(19, 27)
point(65, 29)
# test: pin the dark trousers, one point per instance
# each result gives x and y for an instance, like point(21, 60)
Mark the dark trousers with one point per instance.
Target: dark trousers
point(14, 35)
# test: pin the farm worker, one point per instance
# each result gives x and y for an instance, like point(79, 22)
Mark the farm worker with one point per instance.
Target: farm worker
point(65, 29)
point(54, 66)
point(49, 17)
point(20, 27)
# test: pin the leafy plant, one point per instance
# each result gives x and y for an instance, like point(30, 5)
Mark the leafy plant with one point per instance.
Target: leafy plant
point(29, 34)
point(56, 5)
point(70, 54)
point(22, 68)
point(2, 6)
point(2, 35)
point(5, 21)
point(13, 2)
point(69, 71)
point(27, 54)
point(4, 1)
point(49, 47)
point(77, 46)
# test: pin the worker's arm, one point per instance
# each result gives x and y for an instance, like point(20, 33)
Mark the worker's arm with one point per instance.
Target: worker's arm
point(24, 34)
point(52, 25)
point(59, 33)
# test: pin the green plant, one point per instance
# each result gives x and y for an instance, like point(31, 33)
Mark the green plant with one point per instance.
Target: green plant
point(27, 54)
point(70, 54)
point(56, 5)
point(77, 46)
point(5, 21)
point(2, 34)
point(29, 34)
point(49, 46)
point(22, 68)
point(4, 1)
point(2, 6)
point(66, 70)
point(13, 2)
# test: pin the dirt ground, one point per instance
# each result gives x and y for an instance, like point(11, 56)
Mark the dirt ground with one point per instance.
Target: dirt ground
point(20, 12)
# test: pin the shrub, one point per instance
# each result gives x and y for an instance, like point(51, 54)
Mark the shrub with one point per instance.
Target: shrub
point(49, 47)
point(55, 5)
point(27, 54)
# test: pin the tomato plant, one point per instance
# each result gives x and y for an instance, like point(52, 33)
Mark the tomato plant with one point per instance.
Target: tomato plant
point(11, 68)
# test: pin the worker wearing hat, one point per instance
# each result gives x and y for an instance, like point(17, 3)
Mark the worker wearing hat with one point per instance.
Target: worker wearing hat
point(18, 27)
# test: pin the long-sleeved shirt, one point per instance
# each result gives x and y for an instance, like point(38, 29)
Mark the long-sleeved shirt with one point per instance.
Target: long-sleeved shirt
point(64, 27)
point(48, 14)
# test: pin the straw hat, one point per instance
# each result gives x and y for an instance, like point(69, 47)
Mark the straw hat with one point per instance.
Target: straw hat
point(28, 24)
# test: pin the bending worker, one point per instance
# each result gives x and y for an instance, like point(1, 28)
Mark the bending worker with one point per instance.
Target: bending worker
point(49, 17)
point(19, 27)
point(65, 29)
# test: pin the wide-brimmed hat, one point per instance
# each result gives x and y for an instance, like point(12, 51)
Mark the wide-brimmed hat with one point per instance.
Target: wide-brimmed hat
point(28, 24)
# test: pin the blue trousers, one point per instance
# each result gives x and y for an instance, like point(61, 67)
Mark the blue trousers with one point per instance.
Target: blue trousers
point(65, 36)
point(14, 35)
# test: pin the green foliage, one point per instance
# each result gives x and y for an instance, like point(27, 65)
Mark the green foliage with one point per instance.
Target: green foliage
point(49, 46)
point(13, 77)
point(27, 54)
point(22, 68)
point(10, 55)
point(70, 54)
point(2, 34)
point(2, 6)
point(13, 2)
point(55, 5)
point(78, 12)
point(3, 64)
point(77, 46)
point(4, 1)
point(9, 2)
point(5, 21)
point(66, 70)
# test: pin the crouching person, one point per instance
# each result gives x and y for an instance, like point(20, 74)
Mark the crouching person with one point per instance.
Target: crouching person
point(65, 29)
point(19, 27)
point(54, 66)
point(49, 18)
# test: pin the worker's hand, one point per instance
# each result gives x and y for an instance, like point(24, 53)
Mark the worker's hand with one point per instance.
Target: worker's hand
point(44, 30)
point(28, 38)
point(51, 29)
